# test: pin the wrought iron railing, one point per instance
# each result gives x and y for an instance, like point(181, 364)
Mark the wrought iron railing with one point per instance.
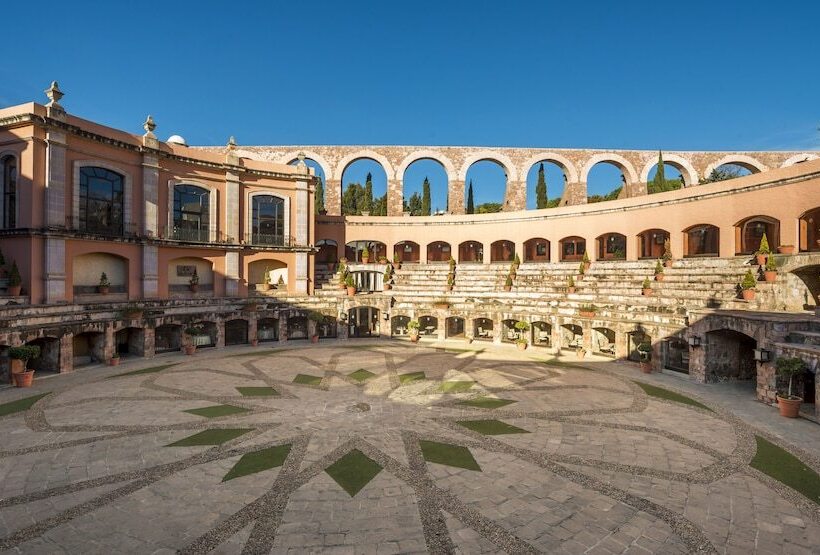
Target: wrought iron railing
point(273, 240)
point(91, 227)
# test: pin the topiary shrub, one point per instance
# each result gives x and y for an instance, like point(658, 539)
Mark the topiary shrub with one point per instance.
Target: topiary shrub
point(764, 246)
point(749, 281)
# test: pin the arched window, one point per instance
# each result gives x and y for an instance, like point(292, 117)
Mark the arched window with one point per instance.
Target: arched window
point(268, 224)
point(749, 233)
point(191, 213)
point(701, 240)
point(9, 187)
point(101, 201)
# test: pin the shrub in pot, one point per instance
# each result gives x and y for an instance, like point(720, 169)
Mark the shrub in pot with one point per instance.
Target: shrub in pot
point(762, 251)
point(413, 330)
point(658, 271)
point(508, 283)
point(521, 341)
point(586, 261)
point(770, 273)
point(451, 281)
point(516, 261)
point(789, 367)
point(570, 285)
point(20, 356)
point(396, 261)
point(350, 285)
point(317, 318)
point(667, 253)
point(191, 332)
point(193, 283)
point(365, 256)
point(587, 310)
point(115, 359)
point(747, 286)
point(104, 284)
point(646, 288)
point(582, 269)
point(15, 281)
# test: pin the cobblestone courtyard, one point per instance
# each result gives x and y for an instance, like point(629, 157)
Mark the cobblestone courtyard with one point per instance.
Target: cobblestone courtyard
point(382, 447)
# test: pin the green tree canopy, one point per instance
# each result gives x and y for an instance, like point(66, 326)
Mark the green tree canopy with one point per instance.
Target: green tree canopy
point(470, 202)
point(541, 188)
point(319, 196)
point(425, 197)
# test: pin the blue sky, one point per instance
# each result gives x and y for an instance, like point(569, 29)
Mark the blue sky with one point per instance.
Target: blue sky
point(640, 74)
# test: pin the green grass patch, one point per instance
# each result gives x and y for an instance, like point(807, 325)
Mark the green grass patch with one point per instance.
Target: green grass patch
point(260, 352)
point(487, 402)
point(211, 437)
point(411, 377)
point(20, 404)
point(152, 370)
point(785, 467)
point(458, 350)
point(662, 393)
point(451, 455)
point(491, 427)
point(353, 471)
point(307, 379)
point(258, 461)
point(361, 375)
point(217, 410)
point(455, 386)
point(257, 391)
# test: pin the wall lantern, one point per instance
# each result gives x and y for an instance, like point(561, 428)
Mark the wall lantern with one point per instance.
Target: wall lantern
point(694, 341)
point(386, 316)
point(762, 355)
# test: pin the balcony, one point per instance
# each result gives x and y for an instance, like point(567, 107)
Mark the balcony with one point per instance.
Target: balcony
point(190, 235)
point(100, 229)
point(271, 240)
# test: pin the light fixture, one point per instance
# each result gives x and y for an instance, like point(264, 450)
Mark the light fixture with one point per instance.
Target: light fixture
point(762, 355)
point(386, 316)
point(694, 341)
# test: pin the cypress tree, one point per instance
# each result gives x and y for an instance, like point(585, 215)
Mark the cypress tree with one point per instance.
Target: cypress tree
point(541, 189)
point(319, 196)
point(425, 198)
point(470, 203)
point(368, 194)
point(659, 181)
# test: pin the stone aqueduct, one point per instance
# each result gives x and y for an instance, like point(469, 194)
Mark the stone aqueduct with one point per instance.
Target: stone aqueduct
point(576, 164)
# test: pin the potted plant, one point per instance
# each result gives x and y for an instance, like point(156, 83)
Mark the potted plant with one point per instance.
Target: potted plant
point(382, 259)
point(747, 286)
point(188, 345)
point(516, 261)
point(317, 318)
point(508, 283)
point(658, 271)
point(513, 270)
point(22, 376)
point(350, 285)
point(580, 352)
point(770, 273)
point(396, 261)
point(789, 404)
point(785, 249)
point(570, 285)
point(667, 253)
point(762, 251)
point(413, 330)
point(521, 341)
point(646, 288)
point(388, 275)
point(280, 282)
point(643, 354)
point(365, 256)
point(104, 285)
point(342, 274)
point(343, 260)
point(452, 263)
point(193, 283)
point(15, 281)
point(266, 284)
point(582, 269)
point(451, 281)
point(587, 310)
point(586, 261)
point(114, 360)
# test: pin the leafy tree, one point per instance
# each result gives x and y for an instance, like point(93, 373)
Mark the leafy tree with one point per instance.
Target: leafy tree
point(367, 205)
point(470, 202)
point(425, 198)
point(379, 207)
point(352, 199)
point(413, 205)
point(319, 195)
point(612, 195)
point(488, 208)
point(541, 189)
point(722, 173)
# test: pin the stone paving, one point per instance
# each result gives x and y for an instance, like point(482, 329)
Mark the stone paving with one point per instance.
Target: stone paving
point(577, 461)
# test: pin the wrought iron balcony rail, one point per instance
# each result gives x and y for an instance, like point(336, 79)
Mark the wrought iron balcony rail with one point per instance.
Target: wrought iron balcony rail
point(119, 229)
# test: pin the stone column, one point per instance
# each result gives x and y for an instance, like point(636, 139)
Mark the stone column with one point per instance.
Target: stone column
point(150, 193)
point(55, 201)
point(232, 274)
point(515, 197)
point(303, 214)
point(253, 320)
point(455, 197)
point(574, 193)
point(233, 186)
point(333, 197)
point(395, 197)
point(54, 275)
point(149, 342)
point(67, 353)
point(220, 333)
point(283, 327)
point(150, 271)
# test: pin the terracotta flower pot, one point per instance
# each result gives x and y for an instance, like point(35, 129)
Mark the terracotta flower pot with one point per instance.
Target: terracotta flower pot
point(14, 290)
point(646, 292)
point(114, 361)
point(194, 287)
point(748, 294)
point(658, 277)
point(397, 265)
point(16, 366)
point(770, 276)
point(314, 338)
point(580, 353)
point(790, 408)
point(785, 249)
point(586, 266)
point(646, 368)
point(102, 290)
point(580, 277)
point(521, 346)
point(570, 289)
point(254, 342)
point(365, 260)
point(342, 286)
point(508, 288)
point(189, 349)
point(586, 314)
point(414, 338)
point(387, 287)
point(23, 379)
point(351, 291)
point(760, 259)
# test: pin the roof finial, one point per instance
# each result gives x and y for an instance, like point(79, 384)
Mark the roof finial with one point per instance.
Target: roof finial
point(231, 143)
point(301, 158)
point(54, 95)
point(149, 127)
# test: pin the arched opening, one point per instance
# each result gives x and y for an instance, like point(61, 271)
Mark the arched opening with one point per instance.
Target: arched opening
point(267, 329)
point(236, 332)
point(670, 179)
point(502, 251)
point(508, 332)
point(651, 243)
point(181, 272)
point(485, 187)
point(729, 356)
point(88, 348)
point(398, 325)
point(439, 251)
point(749, 233)
point(328, 251)
point(191, 213)
point(428, 325)
point(639, 346)
point(605, 181)
point(368, 281)
point(49, 360)
point(676, 354)
point(364, 183)
point(87, 271)
point(701, 240)
point(611, 246)
point(729, 170)
point(376, 251)
point(424, 188)
point(269, 220)
point(207, 335)
point(363, 321)
point(537, 249)
point(483, 329)
point(572, 248)
point(101, 201)
point(297, 327)
point(5, 364)
point(603, 341)
point(810, 231)
point(8, 192)
point(545, 184)
point(572, 336)
point(130, 341)
point(327, 327)
point(471, 252)
point(810, 276)
point(267, 273)
point(541, 334)
point(407, 252)
point(454, 327)
point(167, 338)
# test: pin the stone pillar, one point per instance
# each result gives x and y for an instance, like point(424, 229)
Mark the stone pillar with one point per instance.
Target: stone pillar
point(220, 333)
point(586, 341)
point(55, 194)
point(395, 197)
point(333, 197)
point(54, 275)
point(455, 197)
point(150, 193)
point(232, 274)
point(515, 197)
point(67, 353)
point(253, 320)
point(621, 339)
point(676, 243)
point(498, 329)
point(574, 193)
point(283, 327)
point(303, 213)
point(232, 206)
point(109, 346)
point(301, 285)
point(149, 342)
point(150, 271)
